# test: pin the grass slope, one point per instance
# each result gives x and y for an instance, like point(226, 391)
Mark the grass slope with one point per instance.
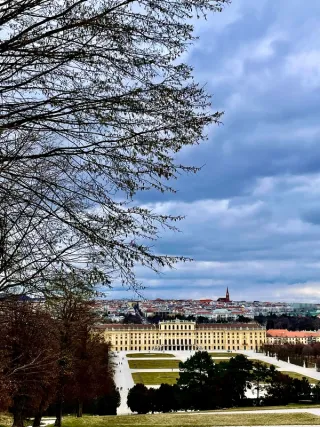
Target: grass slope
point(299, 376)
point(155, 378)
point(137, 355)
point(188, 420)
point(262, 408)
point(264, 363)
point(153, 364)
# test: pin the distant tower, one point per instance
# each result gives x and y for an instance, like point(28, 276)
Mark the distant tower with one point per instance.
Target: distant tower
point(227, 296)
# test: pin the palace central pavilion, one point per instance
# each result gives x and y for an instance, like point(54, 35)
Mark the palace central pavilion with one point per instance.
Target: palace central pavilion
point(185, 335)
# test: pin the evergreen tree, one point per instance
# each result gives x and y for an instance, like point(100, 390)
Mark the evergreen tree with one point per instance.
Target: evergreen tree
point(139, 399)
point(260, 373)
point(196, 380)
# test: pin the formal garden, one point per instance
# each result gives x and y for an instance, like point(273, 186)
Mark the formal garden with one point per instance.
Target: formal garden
point(155, 378)
point(154, 364)
point(148, 355)
point(202, 384)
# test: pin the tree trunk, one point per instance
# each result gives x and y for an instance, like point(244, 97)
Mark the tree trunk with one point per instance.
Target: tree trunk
point(58, 421)
point(37, 419)
point(38, 414)
point(17, 411)
point(79, 409)
point(17, 419)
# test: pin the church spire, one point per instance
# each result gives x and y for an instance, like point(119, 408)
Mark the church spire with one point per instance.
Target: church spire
point(227, 295)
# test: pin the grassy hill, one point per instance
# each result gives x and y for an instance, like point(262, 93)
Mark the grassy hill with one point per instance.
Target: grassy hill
point(193, 420)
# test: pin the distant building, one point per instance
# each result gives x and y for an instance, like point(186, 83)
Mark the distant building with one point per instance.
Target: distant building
point(226, 298)
point(184, 335)
point(283, 336)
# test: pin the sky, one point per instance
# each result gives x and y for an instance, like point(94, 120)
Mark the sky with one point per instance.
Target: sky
point(253, 211)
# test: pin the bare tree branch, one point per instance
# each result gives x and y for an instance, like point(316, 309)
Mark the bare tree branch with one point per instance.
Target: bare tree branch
point(94, 109)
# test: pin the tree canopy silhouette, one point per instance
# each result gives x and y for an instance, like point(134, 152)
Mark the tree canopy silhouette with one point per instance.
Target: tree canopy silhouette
point(95, 106)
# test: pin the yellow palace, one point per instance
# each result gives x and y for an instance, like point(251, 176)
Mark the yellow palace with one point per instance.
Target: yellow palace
point(185, 335)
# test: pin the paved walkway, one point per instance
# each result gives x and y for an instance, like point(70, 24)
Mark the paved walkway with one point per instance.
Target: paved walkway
point(123, 380)
point(283, 366)
point(44, 422)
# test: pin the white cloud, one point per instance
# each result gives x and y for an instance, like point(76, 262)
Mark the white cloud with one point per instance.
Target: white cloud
point(305, 66)
point(300, 292)
point(234, 69)
point(207, 209)
point(290, 227)
point(247, 268)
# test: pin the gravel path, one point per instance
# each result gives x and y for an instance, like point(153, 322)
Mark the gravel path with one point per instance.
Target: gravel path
point(123, 380)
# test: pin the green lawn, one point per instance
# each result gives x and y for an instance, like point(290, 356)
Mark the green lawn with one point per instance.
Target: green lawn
point(220, 360)
point(188, 420)
point(137, 355)
point(153, 364)
point(299, 376)
point(224, 354)
point(226, 360)
point(261, 408)
point(155, 378)
point(5, 420)
point(263, 363)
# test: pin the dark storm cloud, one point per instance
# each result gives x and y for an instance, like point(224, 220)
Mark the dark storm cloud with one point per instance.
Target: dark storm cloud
point(253, 211)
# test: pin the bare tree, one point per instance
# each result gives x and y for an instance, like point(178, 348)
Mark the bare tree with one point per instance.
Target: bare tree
point(95, 106)
point(28, 358)
point(34, 245)
point(70, 306)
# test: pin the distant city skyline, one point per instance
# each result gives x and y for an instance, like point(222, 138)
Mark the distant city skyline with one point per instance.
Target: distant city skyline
point(151, 294)
point(204, 309)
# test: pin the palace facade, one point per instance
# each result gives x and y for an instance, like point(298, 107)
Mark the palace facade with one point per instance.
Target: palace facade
point(184, 335)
